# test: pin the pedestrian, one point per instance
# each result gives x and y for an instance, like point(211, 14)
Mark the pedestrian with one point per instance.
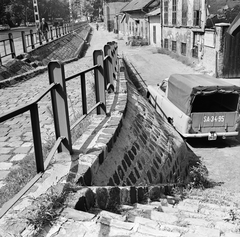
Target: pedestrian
point(97, 25)
point(43, 29)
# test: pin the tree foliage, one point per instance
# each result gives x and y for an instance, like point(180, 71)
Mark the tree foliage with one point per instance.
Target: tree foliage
point(15, 12)
point(92, 8)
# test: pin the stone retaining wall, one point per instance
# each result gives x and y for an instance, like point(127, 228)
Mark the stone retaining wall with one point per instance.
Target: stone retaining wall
point(66, 49)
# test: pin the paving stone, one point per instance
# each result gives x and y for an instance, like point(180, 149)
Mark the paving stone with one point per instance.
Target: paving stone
point(198, 222)
point(2, 184)
point(22, 150)
point(226, 226)
point(144, 221)
point(26, 144)
point(18, 157)
point(3, 138)
point(155, 232)
point(4, 158)
point(3, 174)
point(5, 165)
point(4, 150)
point(230, 234)
point(77, 215)
point(115, 223)
point(188, 207)
point(163, 217)
point(111, 215)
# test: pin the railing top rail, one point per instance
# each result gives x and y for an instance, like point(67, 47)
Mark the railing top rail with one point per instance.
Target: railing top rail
point(27, 107)
point(82, 72)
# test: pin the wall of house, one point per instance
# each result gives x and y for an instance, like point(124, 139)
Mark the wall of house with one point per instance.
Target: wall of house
point(110, 10)
point(187, 39)
point(135, 25)
point(154, 21)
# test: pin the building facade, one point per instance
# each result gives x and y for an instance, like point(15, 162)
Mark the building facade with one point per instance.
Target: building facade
point(111, 10)
point(134, 21)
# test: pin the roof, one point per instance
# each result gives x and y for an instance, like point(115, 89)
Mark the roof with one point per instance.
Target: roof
point(135, 5)
point(154, 12)
point(183, 88)
point(214, 6)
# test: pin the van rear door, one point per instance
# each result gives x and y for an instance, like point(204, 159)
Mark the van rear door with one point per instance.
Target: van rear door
point(214, 121)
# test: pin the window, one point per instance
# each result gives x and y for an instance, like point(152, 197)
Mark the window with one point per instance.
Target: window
point(195, 52)
point(154, 35)
point(196, 13)
point(183, 48)
point(174, 46)
point(174, 12)
point(184, 12)
point(196, 20)
point(166, 43)
point(166, 12)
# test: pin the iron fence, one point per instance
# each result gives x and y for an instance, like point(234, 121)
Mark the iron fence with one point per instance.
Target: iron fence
point(105, 71)
point(35, 39)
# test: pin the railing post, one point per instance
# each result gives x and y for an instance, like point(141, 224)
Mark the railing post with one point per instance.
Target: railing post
point(51, 33)
point(99, 79)
point(40, 37)
point(37, 138)
point(116, 57)
point(60, 105)
point(32, 40)
point(10, 36)
point(56, 31)
point(24, 44)
point(113, 59)
point(108, 67)
point(84, 94)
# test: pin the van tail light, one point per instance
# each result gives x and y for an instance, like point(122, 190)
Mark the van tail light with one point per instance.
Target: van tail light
point(237, 125)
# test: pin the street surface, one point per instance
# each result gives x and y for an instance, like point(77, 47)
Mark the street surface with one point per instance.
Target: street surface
point(220, 157)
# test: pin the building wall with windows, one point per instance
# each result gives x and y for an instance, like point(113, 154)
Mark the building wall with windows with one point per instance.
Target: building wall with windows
point(135, 24)
point(183, 26)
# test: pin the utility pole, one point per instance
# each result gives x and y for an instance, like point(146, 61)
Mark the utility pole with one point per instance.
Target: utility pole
point(70, 10)
point(36, 13)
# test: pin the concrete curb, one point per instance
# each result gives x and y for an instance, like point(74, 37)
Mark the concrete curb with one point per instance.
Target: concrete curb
point(28, 75)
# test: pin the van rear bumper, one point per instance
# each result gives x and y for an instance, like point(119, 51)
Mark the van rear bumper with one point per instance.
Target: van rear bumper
point(219, 134)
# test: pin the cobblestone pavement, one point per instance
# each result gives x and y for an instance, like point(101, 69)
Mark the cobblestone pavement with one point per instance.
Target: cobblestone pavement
point(16, 134)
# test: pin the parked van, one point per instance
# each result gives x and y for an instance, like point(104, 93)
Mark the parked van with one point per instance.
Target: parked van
point(198, 105)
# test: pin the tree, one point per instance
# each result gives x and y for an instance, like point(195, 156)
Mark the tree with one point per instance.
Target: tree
point(87, 9)
point(3, 13)
point(20, 10)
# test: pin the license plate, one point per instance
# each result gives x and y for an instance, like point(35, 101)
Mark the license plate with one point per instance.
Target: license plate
point(213, 118)
point(212, 136)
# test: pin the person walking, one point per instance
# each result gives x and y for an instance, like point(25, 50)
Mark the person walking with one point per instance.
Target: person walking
point(43, 28)
point(97, 26)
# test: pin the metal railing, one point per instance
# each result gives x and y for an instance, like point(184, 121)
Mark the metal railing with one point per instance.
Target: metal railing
point(105, 71)
point(35, 39)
